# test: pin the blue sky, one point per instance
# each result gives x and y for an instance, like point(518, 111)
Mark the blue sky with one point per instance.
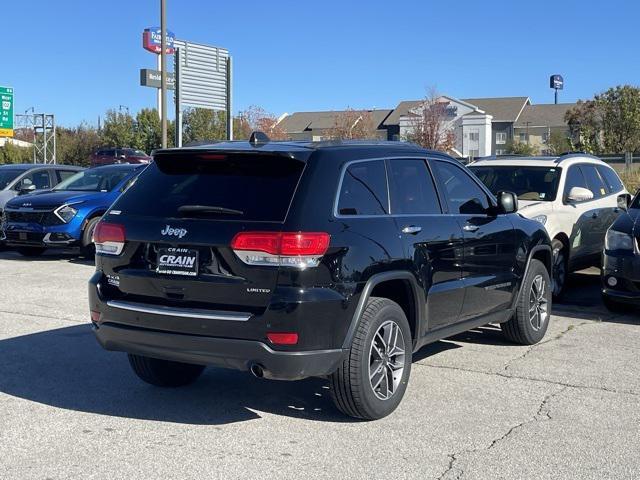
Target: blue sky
point(78, 58)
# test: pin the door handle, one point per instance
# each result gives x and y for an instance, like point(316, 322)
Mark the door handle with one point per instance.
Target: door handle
point(412, 229)
point(470, 228)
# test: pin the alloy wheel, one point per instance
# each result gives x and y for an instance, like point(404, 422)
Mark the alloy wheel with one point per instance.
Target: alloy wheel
point(386, 360)
point(538, 303)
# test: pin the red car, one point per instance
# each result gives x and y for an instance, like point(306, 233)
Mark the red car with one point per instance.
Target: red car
point(108, 156)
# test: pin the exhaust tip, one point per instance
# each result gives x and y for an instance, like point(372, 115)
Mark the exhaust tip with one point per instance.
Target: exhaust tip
point(257, 370)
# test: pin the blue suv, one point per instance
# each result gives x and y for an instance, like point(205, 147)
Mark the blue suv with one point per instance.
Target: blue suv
point(66, 215)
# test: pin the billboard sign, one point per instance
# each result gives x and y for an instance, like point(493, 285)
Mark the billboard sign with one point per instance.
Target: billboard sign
point(556, 81)
point(151, 78)
point(203, 76)
point(152, 40)
point(6, 112)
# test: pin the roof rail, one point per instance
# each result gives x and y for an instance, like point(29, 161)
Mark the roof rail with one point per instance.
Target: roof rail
point(568, 155)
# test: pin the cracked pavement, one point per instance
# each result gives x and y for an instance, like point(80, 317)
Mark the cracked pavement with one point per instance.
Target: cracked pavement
point(476, 407)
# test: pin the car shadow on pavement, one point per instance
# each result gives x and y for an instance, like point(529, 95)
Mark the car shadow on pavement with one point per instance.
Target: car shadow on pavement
point(70, 256)
point(66, 368)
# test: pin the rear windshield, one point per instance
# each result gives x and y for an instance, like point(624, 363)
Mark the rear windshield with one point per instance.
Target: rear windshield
point(215, 186)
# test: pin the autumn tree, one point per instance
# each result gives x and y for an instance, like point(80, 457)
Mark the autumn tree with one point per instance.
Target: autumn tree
point(558, 143)
point(148, 130)
point(521, 148)
point(584, 126)
point(118, 129)
point(352, 125)
point(256, 118)
point(429, 124)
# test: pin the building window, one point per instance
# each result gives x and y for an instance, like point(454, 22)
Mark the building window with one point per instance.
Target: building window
point(501, 138)
point(501, 151)
point(474, 136)
point(522, 136)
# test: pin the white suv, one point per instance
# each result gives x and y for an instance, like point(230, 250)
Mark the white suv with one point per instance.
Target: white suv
point(575, 196)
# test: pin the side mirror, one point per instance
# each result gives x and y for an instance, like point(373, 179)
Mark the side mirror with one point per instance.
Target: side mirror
point(507, 202)
point(579, 194)
point(624, 201)
point(27, 188)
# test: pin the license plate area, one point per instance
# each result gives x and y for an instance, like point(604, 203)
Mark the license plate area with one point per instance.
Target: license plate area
point(177, 261)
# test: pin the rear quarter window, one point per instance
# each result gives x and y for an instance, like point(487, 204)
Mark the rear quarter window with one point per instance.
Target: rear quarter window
point(261, 187)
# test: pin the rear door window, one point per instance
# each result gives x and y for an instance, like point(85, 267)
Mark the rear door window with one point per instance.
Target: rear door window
point(611, 179)
point(216, 186)
point(364, 189)
point(412, 188)
point(39, 178)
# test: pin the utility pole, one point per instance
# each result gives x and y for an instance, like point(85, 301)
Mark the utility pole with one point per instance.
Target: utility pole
point(163, 71)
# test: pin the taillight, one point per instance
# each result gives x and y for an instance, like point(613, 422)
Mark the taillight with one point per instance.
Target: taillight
point(109, 238)
point(289, 249)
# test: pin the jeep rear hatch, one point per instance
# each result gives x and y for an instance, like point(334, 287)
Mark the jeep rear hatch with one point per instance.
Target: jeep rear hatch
point(182, 216)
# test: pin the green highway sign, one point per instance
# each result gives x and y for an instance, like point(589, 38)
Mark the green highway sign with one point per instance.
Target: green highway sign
point(6, 112)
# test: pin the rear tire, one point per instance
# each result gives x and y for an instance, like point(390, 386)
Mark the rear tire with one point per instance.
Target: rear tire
point(88, 248)
point(560, 267)
point(164, 373)
point(30, 251)
point(533, 311)
point(372, 379)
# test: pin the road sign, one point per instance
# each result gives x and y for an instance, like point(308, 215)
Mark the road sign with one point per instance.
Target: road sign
point(151, 78)
point(152, 40)
point(6, 112)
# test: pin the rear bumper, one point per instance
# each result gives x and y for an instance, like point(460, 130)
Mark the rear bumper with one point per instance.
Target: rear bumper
point(219, 352)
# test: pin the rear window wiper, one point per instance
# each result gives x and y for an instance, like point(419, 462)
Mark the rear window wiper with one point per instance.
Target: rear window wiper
point(208, 209)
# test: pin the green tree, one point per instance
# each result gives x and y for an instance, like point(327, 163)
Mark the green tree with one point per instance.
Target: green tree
point(521, 148)
point(148, 130)
point(619, 110)
point(10, 153)
point(558, 143)
point(200, 124)
point(75, 145)
point(118, 129)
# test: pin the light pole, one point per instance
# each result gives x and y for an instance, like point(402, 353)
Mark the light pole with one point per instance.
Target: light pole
point(163, 70)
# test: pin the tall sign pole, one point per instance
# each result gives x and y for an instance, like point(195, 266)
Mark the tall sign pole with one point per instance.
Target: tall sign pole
point(163, 72)
point(557, 83)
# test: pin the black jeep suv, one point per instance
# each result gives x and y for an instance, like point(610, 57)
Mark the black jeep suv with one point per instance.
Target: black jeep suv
point(293, 260)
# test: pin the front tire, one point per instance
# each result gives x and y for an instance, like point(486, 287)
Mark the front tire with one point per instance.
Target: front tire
point(373, 377)
point(164, 373)
point(533, 312)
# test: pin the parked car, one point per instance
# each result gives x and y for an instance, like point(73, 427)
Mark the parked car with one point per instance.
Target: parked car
point(109, 156)
point(621, 258)
point(575, 197)
point(20, 179)
point(66, 215)
point(293, 260)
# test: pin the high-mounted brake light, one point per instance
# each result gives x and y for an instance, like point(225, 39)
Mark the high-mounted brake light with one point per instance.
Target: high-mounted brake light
point(290, 249)
point(109, 238)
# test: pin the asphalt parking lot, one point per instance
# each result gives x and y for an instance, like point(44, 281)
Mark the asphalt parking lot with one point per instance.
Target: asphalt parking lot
point(476, 407)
